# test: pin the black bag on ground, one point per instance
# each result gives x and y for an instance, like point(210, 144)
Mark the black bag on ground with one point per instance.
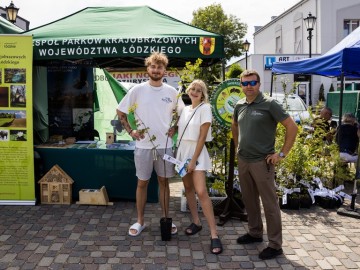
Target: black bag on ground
point(165, 228)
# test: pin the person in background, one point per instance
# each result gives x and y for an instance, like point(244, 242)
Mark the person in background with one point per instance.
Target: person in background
point(253, 127)
point(322, 122)
point(347, 137)
point(155, 103)
point(194, 130)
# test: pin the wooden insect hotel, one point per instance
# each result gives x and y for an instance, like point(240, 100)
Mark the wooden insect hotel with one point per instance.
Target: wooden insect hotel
point(56, 187)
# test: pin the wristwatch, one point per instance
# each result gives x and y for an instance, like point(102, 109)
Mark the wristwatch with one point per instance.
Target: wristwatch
point(282, 155)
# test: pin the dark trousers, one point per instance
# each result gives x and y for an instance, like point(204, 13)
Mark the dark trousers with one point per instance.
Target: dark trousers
point(257, 180)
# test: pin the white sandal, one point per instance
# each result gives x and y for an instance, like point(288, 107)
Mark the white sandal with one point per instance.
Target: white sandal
point(136, 226)
point(173, 229)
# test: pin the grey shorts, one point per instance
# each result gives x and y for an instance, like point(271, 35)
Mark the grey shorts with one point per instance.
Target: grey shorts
point(145, 163)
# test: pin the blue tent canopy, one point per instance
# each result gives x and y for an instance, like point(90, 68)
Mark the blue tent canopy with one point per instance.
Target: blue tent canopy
point(342, 59)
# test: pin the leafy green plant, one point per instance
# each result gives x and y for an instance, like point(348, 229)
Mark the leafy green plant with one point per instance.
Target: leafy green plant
point(217, 188)
point(218, 148)
point(322, 93)
point(234, 71)
point(310, 158)
point(190, 72)
point(295, 162)
point(142, 129)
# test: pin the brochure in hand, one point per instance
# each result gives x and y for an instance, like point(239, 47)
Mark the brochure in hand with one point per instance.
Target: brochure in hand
point(180, 166)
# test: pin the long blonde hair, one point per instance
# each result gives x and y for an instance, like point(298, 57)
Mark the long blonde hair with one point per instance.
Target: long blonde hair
point(204, 90)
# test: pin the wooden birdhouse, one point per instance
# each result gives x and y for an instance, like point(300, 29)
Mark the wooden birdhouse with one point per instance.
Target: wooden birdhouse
point(56, 187)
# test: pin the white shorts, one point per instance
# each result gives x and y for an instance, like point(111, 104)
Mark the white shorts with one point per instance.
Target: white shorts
point(187, 149)
point(145, 163)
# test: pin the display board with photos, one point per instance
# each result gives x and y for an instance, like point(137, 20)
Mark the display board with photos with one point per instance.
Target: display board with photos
point(70, 101)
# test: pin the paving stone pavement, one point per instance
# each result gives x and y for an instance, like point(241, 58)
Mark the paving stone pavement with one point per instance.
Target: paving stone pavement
point(95, 237)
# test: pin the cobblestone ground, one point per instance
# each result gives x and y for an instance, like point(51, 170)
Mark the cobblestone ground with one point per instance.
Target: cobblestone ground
point(95, 237)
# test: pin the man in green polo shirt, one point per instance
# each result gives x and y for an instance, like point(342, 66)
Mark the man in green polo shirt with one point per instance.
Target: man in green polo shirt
point(254, 128)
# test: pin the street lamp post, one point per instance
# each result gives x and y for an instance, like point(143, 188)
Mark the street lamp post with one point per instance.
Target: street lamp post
point(310, 23)
point(12, 12)
point(246, 46)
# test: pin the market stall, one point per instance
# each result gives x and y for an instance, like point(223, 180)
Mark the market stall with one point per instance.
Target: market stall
point(66, 50)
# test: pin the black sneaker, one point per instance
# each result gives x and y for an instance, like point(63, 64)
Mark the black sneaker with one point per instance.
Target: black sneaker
point(248, 239)
point(270, 253)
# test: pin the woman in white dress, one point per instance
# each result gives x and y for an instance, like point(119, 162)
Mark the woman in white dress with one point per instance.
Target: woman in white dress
point(194, 130)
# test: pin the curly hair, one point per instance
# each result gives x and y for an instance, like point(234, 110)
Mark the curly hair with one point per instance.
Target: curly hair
point(158, 58)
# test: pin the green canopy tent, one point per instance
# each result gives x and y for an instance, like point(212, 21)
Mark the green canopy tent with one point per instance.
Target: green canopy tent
point(123, 37)
point(115, 37)
point(7, 27)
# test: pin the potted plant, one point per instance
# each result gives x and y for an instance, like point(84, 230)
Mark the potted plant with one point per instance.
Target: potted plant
point(310, 159)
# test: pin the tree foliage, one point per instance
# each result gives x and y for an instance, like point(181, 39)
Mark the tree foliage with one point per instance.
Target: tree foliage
point(234, 71)
point(212, 18)
point(190, 72)
point(322, 93)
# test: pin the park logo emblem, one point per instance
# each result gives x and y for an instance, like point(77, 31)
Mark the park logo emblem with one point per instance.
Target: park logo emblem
point(207, 45)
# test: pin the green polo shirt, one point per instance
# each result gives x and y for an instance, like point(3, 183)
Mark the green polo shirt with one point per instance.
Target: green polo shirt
point(257, 126)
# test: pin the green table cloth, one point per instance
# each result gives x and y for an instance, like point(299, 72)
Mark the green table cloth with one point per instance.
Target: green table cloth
point(94, 168)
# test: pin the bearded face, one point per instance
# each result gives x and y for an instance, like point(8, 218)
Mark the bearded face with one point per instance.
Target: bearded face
point(156, 71)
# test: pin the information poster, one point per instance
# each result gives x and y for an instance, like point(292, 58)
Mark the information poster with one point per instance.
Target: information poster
point(17, 181)
point(70, 101)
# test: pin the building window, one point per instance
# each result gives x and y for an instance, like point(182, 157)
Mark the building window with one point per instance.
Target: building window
point(350, 25)
point(278, 45)
point(297, 45)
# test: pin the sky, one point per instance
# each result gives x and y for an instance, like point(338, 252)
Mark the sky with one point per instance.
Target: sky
point(253, 13)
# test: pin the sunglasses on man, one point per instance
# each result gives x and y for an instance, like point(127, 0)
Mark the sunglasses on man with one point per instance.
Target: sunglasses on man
point(252, 83)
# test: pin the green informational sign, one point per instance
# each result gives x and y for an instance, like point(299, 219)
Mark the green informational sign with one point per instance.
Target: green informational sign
point(16, 121)
point(122, 33)
point(224, 99)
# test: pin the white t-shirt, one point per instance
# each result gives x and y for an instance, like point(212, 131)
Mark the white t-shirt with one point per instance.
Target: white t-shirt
point(154, 110)
point(192, 131)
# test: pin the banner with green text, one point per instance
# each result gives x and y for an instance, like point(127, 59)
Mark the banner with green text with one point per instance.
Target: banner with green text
point(17, 183)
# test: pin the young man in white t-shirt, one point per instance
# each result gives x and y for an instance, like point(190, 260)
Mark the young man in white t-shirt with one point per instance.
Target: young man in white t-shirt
point(153, 103)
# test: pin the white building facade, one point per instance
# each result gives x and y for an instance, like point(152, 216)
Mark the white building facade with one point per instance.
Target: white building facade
point(285, 38)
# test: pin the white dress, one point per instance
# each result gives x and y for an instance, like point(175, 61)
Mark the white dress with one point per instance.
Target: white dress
point(190, 137)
